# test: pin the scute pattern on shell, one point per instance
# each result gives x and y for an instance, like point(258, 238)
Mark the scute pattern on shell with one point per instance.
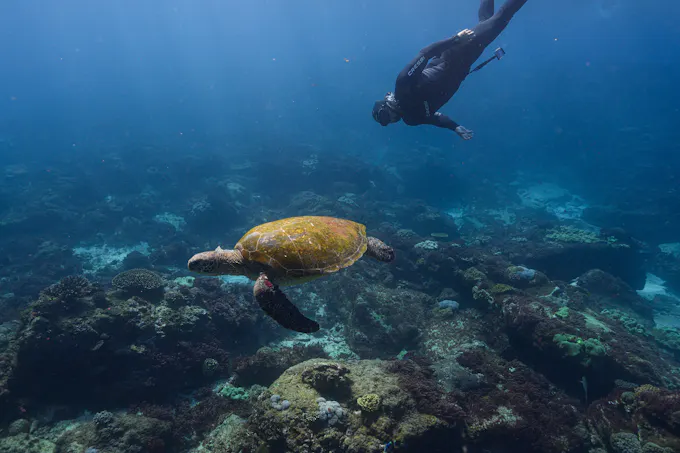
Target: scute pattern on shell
point(303, 246)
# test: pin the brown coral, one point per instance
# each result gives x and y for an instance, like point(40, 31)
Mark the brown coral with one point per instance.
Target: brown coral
point(138, 282)
point(327, 378)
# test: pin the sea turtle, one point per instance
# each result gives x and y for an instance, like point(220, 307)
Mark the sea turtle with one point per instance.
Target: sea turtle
point(288, 252)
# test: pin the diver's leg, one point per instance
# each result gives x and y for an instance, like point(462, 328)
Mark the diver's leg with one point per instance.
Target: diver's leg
point(487, 31)
point(486, 10)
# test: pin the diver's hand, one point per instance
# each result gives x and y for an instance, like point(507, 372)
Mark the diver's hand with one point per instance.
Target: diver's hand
point(465, 134)
point(465, 35)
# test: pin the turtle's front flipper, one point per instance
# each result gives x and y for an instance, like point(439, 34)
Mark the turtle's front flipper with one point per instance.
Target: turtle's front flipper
point(275, 303)
point(379, 250)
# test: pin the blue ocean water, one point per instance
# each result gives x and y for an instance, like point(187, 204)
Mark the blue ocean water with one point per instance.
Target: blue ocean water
point(136, 134)
point(584, 85)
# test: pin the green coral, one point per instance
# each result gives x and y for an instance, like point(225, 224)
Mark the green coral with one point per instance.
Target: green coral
point(481, 294)
point(369, 402)
point(629, 323)
point(594, 347)
point(416, 427)
point(501, 288)
point(623, 442)
point(562, 313)
point(668, 337)
point(571, 234)
point(473, 275)
point(24, 443)
point(650, 447)
point(574, 346)
point(234, 393)
point(570, 343)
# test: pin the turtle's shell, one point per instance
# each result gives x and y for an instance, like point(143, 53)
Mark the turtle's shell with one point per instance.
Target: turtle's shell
point(299, 247)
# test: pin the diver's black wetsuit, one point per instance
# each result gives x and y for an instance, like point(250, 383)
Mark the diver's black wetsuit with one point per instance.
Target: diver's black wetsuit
point(423, 87)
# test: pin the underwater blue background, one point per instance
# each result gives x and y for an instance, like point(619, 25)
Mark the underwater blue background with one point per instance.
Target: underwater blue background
point(584, 82)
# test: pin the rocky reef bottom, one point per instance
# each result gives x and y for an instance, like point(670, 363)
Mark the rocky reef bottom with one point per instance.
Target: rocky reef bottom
point(534, 338)
point(323, 405)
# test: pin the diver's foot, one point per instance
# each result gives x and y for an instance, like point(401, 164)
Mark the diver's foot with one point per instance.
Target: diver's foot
point(275, 303)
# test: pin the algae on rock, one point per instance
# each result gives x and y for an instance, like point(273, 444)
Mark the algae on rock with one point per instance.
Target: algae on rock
point(346, 390)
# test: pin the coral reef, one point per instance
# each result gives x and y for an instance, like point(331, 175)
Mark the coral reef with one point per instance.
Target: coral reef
point(369, 402)
point(138, 282)
point(327, 420)
point(508, 322)
point(68, 289)
point(267, 364)
point(101, 349)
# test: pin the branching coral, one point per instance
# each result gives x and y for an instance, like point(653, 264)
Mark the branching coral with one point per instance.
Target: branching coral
point(68, 296)
point(571, 234)
point(68, 289)
point(369, 402)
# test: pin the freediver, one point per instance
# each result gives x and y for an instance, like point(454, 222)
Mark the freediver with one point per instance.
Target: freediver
point(436, 73)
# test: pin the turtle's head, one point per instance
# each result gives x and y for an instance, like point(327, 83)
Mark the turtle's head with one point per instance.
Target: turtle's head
point(217, 262)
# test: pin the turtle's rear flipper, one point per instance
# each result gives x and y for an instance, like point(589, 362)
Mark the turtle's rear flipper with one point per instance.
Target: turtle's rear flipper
point(379, 250)
point(275, 303)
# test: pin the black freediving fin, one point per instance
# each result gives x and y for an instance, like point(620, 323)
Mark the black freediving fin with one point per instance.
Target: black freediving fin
point(275, 303)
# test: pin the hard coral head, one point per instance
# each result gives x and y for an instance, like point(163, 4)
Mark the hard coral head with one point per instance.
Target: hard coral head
point(217, 262)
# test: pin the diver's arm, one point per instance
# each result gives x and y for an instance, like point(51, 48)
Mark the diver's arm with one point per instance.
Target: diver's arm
point(445, 122)
point(415, 67)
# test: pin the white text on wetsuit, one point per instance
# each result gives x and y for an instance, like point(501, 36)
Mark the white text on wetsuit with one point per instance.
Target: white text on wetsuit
point(415, 66)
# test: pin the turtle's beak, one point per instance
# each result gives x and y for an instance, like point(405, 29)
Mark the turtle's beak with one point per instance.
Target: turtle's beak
point(204, 263)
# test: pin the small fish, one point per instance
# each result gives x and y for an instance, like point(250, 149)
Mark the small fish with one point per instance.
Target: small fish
point(584, 383)
point(99, 344)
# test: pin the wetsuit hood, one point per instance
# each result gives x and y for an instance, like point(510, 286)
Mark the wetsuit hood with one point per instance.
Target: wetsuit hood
point(385, 111)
